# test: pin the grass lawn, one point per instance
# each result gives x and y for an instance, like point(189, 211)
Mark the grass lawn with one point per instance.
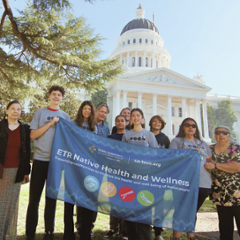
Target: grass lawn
point(101, 227)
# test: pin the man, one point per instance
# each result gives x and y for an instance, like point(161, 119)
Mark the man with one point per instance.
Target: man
point(83, 225)
point(42, 131)
point(120, 122)
point(125, 112)
point(102, 111)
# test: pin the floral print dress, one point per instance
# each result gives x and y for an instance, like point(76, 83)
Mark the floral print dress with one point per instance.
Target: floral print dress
point(226, 186)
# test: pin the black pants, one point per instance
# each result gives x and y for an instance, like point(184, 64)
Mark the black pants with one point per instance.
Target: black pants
point(38, 179)
point(139, 231)
point(87, 217)
point(225, 218)
point(68, 221)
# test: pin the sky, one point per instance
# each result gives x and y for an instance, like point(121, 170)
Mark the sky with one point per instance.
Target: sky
point(202, 36)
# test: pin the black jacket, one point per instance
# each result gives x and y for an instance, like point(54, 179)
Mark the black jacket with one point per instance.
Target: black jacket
point(24, 166)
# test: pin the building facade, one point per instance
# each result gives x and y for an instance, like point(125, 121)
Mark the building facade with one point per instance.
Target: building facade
point(150, 84)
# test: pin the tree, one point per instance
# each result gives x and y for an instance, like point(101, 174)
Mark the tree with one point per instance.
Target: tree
point(99, 96)
point(223, 115)
point(46, 43)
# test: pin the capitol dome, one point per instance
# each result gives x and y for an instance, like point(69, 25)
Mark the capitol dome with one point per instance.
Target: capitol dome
point(140, 45)
point(139, 23)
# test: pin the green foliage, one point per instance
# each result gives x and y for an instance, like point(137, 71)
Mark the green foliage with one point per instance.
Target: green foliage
point(45, 44)
point(223, 115)
point(99, 96)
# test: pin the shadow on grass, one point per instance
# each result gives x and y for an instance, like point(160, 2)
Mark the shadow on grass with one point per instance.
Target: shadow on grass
point(98, 234)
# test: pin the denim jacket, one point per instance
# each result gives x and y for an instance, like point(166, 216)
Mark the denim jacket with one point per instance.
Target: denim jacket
point(105, 130)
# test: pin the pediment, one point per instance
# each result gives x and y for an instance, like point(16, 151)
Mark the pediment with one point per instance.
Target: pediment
point(165, 77)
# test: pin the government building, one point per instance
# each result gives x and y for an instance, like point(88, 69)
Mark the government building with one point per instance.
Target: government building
point(149, 83)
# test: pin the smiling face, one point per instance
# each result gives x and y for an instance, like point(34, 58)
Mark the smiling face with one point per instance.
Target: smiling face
point(86, 112)
point(120, 123)
point(136, 117)
point(126, 112)
point(101, 114)
point(221, 137)
point(156, 124)
point(55, 98)
point(189, 127)
point(14, 111)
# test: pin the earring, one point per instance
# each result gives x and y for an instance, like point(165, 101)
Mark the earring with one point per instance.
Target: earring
point(6, 116)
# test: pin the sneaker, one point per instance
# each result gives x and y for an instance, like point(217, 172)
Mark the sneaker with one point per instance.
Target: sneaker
point(112, 233)
point(124, 236)
point(158, 238)
point(48, 236)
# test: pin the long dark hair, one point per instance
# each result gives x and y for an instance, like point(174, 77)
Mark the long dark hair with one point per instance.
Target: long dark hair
point(91, 120)
point(141, 112)
point(181, 131)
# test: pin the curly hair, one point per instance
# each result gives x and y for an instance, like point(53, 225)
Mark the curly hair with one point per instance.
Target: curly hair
point(181, 131)
point(159, 118)
point(56, 88)
point(91, 120)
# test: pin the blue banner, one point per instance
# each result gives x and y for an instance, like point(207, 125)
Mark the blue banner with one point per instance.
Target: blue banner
point(140, 184)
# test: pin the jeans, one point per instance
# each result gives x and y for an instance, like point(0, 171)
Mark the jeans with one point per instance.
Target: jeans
point(37, 182)
point(225, 218)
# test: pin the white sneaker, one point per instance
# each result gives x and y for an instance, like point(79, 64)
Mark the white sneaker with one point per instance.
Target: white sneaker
point(158, 238)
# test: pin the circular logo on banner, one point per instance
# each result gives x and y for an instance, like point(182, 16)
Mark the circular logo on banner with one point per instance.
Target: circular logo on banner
point(91, 183)
point(145, 198)
point(108, 189)
point(126, 194)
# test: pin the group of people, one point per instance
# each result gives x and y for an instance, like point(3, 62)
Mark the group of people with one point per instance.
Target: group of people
point(219, 169)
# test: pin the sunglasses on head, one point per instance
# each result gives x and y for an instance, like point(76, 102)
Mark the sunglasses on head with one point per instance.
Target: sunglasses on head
point(221, 132)
point(190, 125)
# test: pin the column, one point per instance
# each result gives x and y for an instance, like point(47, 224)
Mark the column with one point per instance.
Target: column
point(144, 59)
point(165, 62)
point(125, 104)
point(136, 59)
point(169, 122)
point(140, 100)
point(128, 59)
point(154, 60)
point(120, 58)
point(198, 115)
point(205, 120)
point(117, 105)
point(109, 116)
point(184, 108)
point(113, 109)
point(154, 104)
point(160, 63)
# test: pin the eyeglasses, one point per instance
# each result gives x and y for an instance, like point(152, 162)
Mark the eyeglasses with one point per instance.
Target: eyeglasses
point(222, 132)
point(190, 125)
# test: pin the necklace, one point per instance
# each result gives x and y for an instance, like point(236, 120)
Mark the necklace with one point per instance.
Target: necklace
point(219, 149)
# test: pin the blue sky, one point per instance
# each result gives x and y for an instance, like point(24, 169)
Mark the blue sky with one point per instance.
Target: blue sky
point(202, 36)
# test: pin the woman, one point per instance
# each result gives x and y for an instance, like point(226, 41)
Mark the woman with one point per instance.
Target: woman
point(85, 119)
point(139, 136)
point(188, 137)
point(225, 166)
point(15, 167)
point(156, 124)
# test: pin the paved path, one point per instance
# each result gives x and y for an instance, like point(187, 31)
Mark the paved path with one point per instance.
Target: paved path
point(207, 225)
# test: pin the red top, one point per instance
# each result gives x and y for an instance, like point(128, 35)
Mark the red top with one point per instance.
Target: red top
point(12, 154)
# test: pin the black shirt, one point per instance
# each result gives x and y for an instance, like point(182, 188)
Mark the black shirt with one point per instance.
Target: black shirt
point(163, 140)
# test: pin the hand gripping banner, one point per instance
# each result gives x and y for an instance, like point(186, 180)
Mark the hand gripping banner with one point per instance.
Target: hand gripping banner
point(148, 185)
